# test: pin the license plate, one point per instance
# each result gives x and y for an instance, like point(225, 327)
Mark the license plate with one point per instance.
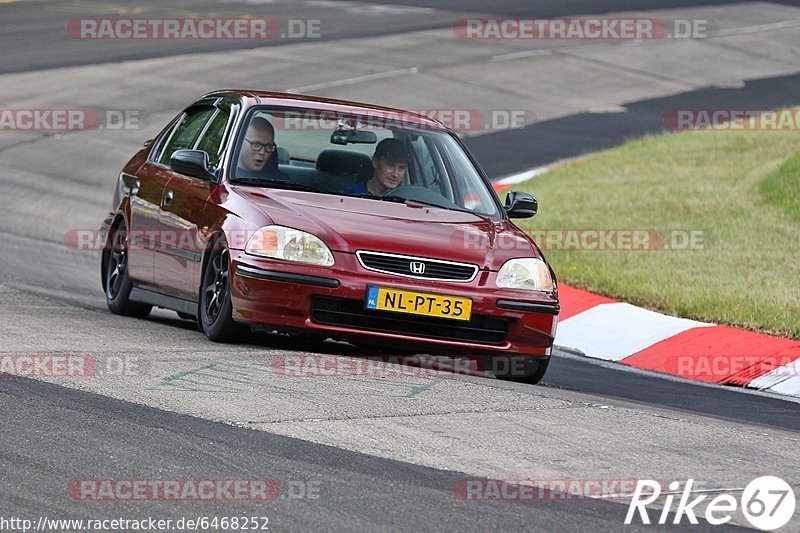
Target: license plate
point(419, 303)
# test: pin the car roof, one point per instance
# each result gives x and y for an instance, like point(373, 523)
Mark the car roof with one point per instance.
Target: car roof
point(269, 98)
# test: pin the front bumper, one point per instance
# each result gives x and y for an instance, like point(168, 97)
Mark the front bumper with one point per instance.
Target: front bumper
point(330, 301)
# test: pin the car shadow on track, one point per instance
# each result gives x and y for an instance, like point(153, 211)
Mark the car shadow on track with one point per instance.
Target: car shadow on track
point(380, 359)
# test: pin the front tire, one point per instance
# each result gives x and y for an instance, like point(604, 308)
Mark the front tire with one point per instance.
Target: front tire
point(215, 298)
point(117, 283)
point(519, 368)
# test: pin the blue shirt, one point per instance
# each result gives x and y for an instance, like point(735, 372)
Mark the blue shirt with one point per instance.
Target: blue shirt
point(358, 188)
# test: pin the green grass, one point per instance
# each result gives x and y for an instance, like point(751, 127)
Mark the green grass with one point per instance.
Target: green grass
point(740, 188)
point(782, 187)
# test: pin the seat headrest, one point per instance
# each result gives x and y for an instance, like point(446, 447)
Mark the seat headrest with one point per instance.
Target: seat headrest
point(345, 163)
point(272, 160)
point(283, 156)
point(279, 155)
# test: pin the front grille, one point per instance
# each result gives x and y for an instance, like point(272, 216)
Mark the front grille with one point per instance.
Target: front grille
point(351, 313)
point(409, 266)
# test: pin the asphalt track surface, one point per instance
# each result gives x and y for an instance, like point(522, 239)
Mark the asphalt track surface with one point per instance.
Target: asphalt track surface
point(52, 434)
point(361, 492)
point(34, 37)
point(542, 143)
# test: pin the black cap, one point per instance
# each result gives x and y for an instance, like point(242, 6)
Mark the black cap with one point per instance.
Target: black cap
point(392, 150)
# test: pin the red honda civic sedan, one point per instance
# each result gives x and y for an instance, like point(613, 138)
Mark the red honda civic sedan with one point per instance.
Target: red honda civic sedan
point(348, 221)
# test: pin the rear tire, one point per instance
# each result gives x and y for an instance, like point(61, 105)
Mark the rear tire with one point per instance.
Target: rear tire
point(215, 298)
point(519, 368)
point(117, 283)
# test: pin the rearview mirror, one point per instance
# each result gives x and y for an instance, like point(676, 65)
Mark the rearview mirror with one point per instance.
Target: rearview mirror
point(353, 137)
point(521, 205)
point(192, 163)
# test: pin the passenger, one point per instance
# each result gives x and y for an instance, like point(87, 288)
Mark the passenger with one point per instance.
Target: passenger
point(389, 164)
point(258, 157)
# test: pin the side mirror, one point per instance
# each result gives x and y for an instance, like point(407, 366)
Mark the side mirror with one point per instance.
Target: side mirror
point(192, 163)
point(521, 205)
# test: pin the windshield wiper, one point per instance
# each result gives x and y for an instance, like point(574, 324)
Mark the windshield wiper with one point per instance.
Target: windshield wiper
point(407, 201)
point(370, 196)
point(452, 207)
point(277, 184)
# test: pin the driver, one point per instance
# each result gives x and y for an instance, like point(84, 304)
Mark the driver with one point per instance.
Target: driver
point(389, 165)
point(257, 157)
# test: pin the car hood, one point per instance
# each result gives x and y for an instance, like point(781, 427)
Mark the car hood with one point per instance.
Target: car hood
point(348, 224)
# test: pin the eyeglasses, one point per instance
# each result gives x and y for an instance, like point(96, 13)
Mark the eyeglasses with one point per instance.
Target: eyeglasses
point(257, 147)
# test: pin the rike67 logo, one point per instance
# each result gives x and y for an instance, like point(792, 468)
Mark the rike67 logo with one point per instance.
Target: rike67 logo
point(767, 502)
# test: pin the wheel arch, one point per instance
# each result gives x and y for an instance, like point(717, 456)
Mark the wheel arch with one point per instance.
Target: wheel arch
point(122, 215)
point(208, 248)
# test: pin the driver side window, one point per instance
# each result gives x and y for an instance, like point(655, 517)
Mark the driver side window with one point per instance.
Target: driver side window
point(185, 134)
point(211, 141)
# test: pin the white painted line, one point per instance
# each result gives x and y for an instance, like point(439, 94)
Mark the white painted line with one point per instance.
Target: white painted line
point(605, 109)
point(665, 493)
point(522, 176)
point(617, 330)
point(755, 28)
point(524, 53)
point(361, 8)
point(353, 81)
point(533, 172)
point(718, 33)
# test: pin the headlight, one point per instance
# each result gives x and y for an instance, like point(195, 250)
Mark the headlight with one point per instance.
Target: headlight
point(289, 244)
point(528, 274)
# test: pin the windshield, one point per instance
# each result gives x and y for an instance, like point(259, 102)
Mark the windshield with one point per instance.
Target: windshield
point(379, 156)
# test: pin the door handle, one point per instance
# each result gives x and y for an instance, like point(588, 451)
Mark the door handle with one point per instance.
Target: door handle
point(168, 199)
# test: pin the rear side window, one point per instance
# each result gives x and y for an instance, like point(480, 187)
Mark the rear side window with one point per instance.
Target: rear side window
point(185, 134)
